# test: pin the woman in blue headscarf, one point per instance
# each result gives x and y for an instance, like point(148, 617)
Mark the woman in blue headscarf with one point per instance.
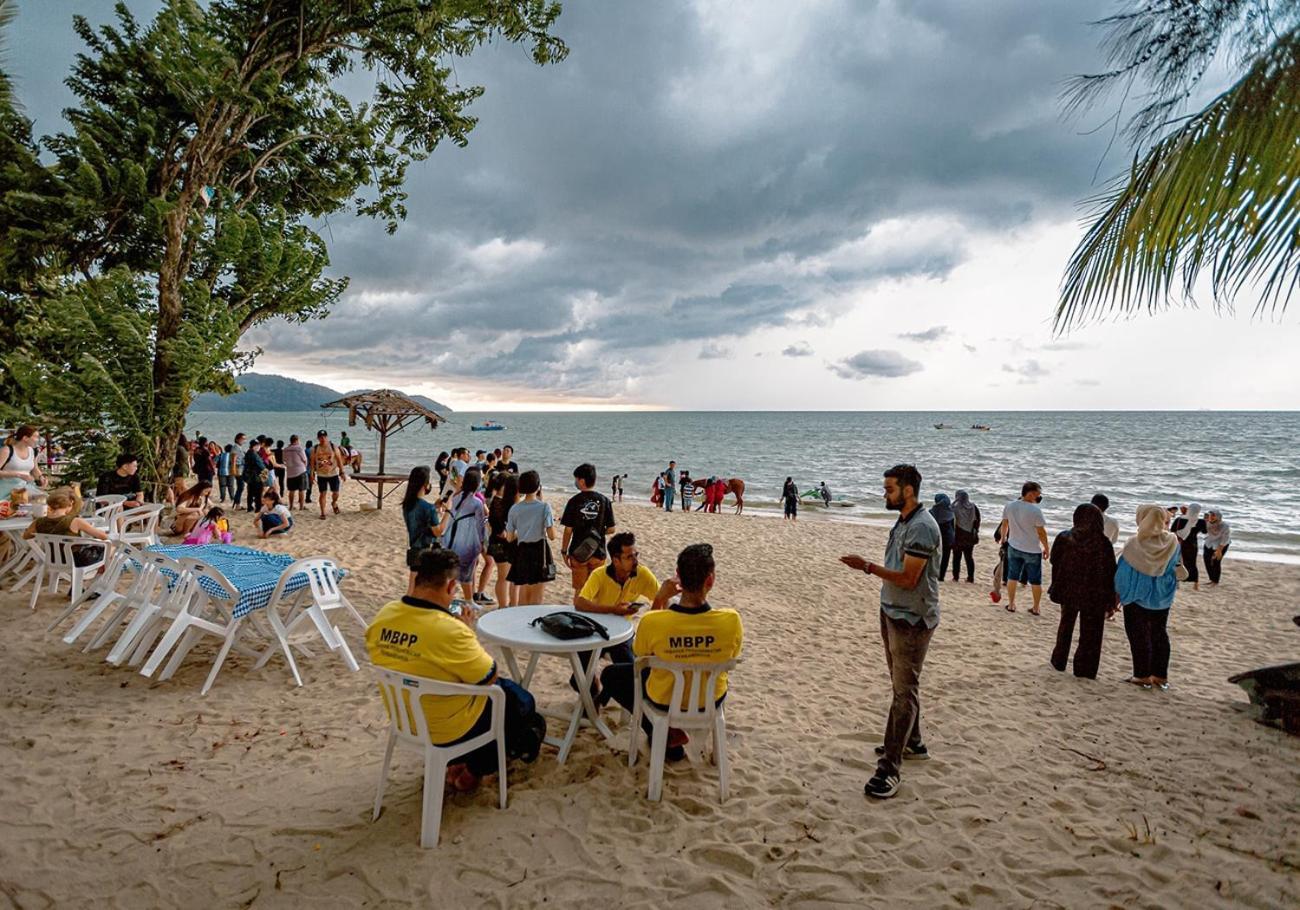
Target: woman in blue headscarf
point(942, 512)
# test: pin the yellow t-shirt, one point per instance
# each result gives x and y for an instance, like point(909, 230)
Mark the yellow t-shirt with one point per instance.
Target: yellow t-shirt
point(420, 638)
point(687, 635)
point(602, 589)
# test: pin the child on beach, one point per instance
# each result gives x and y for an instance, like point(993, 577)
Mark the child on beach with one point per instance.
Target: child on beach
point(273, 518)
point(213, 528)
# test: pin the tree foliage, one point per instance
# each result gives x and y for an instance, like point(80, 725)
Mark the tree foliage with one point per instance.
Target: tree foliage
point(1211, 193)
point(203, 149)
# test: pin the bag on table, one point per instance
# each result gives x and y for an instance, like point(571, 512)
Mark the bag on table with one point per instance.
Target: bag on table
point(567, 625)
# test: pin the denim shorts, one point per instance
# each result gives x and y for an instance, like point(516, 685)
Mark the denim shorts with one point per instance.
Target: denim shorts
point(1025, 568)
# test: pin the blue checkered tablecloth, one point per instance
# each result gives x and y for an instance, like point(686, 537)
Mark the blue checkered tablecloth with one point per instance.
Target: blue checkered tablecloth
point(254, 573)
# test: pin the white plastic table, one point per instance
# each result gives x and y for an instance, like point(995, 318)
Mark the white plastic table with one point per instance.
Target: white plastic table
point(510, 629)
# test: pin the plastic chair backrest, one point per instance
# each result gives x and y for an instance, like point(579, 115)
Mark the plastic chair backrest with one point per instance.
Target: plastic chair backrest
point(404, 691)
point(56, 549)
point(146, 516)
point(201, 570)
point(703, 683)
point(105, 506)
point(322, 576)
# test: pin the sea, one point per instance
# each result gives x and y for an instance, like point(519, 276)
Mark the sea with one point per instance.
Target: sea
point(1247, 464)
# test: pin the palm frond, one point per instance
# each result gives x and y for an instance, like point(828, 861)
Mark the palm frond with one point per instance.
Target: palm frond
point(8, 12)
point(1218, 194)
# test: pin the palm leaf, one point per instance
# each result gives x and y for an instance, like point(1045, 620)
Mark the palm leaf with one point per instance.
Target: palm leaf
point(1217, 196)
point(8, 12)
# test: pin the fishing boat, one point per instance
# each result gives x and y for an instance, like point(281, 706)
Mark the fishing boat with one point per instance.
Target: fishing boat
point(981, 427)
point(944, 426)
point(488, 425)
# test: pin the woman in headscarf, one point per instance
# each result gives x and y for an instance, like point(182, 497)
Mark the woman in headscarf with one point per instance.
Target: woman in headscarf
point(1146, 581)
point(790, 499)
point(1189, 527)
point(967, 534)
point(942, 512)
point(1218, 536)
point(1083, 583)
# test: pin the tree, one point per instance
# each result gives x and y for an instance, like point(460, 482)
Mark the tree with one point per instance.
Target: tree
point(1211, 193)
point(202, 150)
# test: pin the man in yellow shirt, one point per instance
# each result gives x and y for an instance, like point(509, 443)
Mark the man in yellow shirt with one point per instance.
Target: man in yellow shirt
point(420, 635)
point(621, 587)
point(689, 631)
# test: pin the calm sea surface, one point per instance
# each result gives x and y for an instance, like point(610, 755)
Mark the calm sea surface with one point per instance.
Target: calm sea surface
point(1245, 463)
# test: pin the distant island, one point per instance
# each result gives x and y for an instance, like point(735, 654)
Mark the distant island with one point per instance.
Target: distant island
point(265, 392)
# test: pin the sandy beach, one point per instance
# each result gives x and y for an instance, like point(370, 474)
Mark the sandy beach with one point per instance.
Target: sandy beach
point(1043, 791)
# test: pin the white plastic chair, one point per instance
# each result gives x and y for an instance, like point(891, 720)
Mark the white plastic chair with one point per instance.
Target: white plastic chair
point(701, 715)
point(103, 590)
point(147, 586)
point(403, 695)
point(55, 562)
point(106, 507)
point(138, 526)
point(323, 597)
point(176, 590)
point(209, 614)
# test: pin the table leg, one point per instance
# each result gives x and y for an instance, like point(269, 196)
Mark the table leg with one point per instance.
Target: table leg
point(584, 705)
point(513, 667)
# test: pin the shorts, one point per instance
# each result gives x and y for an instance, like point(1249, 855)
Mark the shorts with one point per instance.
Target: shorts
point(501, 550)
point(1024, 568)
point(297, 484)
point(328, 483)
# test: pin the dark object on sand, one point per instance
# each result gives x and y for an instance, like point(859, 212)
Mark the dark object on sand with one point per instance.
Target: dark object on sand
point(1276, 692)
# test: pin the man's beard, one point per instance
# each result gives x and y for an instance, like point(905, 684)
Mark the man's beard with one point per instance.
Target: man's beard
point(893, 506)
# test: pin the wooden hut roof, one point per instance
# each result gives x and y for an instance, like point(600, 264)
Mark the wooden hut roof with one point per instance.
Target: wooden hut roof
point(385, 410)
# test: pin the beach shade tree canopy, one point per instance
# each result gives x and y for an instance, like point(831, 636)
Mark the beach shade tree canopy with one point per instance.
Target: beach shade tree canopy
point(1211, 195)
point(202, 151)
point(384, 411)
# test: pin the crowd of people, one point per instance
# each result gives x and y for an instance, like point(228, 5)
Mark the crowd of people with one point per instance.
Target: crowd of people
point(673, 487)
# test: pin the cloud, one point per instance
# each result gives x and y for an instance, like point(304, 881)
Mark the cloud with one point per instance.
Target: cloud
point(1066, 346)
point(714, 351)
point(1029, 372)
point(866, 364)
point(970, 347)
point(686, 174)
point(798, 349)
point(926, 337)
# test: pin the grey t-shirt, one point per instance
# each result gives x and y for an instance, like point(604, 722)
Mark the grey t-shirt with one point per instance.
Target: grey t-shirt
point(530, 520)
point(1023, 521)
point(914, 535)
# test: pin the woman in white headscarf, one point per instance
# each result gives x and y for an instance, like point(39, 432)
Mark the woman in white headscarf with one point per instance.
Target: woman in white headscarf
point(1146, 581)
point(1188, 527)
point(1218, 536)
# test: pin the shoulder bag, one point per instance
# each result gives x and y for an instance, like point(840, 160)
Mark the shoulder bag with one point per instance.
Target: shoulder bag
point(567, 625)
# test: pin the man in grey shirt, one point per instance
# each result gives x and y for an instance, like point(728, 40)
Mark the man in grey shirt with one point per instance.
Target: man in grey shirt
point(909, 614)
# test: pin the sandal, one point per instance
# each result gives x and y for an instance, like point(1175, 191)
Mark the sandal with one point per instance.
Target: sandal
point(1010, 608)
point(336, 509)
point(1035, 612)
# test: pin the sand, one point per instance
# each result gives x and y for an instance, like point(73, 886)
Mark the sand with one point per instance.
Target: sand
point(1043, 791)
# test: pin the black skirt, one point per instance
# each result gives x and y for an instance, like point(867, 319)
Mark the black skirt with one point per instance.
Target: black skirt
point(529, 564)
point(501, 549)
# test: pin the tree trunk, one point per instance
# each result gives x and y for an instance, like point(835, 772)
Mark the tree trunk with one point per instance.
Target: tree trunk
point(169, 420)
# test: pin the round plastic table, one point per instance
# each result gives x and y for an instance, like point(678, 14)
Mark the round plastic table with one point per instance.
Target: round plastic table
point(511, 629)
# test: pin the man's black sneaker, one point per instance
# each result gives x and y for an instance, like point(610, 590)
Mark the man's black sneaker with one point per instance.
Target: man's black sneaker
point(910, 753)
point(882, 786)
point(481, 598)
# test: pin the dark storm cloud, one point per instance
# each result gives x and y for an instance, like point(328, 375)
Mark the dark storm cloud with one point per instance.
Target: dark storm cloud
point(868, 364)
point(691, 172)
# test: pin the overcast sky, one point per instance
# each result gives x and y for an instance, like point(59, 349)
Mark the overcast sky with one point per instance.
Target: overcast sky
point(814, 205)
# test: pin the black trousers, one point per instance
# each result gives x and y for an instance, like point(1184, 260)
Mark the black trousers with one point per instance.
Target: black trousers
point(1214, 567)
point(963, 549)
point(483, 760)
point(1092, 628)
point(254, 485)
point(946, 545)
point(1189, 562)
point(1148, 640)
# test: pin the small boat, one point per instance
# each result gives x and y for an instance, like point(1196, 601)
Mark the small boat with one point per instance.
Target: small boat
point(487, 425)
point(980, 426)
point(944, 426)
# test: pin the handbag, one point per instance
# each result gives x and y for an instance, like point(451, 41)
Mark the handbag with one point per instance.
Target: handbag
point(548, 567)
point(586, 549)
point(567, 625)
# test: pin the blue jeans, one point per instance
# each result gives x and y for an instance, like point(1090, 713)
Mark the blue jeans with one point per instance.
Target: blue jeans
point(239, 489)
point(1023, 567)
point(226, 485)
point(668, 499)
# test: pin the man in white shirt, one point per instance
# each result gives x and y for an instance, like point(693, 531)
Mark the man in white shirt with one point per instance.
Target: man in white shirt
point(1025, 531)
point(1102, 502)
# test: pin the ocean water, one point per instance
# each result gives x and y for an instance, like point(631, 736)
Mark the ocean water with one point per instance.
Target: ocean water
point(1244, 463)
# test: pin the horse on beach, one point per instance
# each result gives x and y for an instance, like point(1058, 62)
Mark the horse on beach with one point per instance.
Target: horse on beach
point(734, 486)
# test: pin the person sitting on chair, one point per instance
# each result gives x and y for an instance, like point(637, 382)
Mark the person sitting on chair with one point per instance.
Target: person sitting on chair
point(690, 631)
point(419, 635)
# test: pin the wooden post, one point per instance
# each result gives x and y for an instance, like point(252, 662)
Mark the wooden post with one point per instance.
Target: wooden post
point(383, 445)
